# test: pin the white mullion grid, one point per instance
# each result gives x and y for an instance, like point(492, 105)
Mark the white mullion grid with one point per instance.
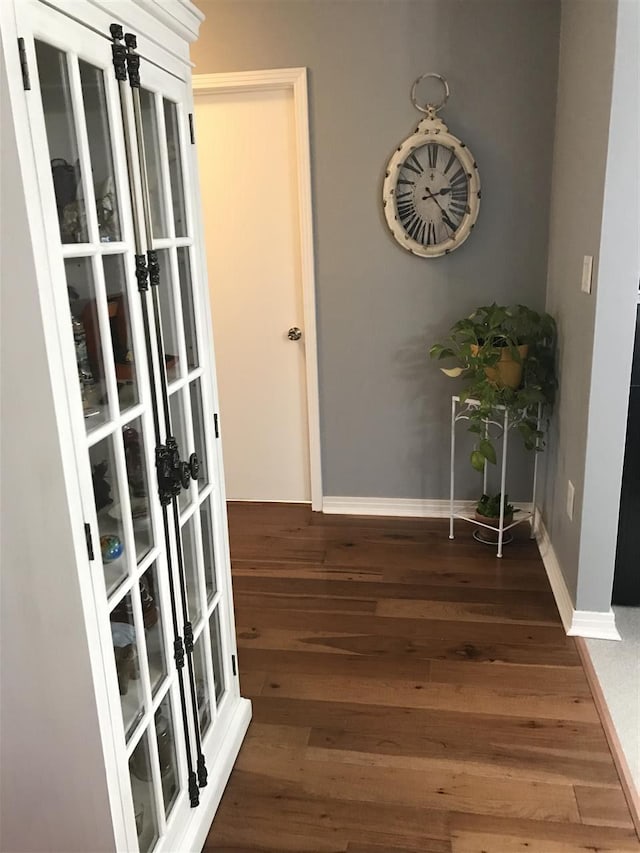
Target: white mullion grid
point(82, 141)
point(147, 716)
point(78, 250)
point(96, 435)
point(125, 586)
point(176, 384)
point(125, 502)
point(168, 242)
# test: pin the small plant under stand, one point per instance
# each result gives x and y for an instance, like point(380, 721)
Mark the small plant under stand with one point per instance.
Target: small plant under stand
point(460, 412)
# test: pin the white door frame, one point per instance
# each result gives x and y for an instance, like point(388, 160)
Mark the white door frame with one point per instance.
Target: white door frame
point(294, 80)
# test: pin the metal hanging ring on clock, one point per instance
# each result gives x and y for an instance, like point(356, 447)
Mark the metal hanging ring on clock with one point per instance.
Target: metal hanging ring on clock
point(430, 107)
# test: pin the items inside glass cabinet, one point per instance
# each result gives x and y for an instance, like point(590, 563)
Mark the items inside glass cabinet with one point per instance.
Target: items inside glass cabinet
point(68, 180)
point(89, 315)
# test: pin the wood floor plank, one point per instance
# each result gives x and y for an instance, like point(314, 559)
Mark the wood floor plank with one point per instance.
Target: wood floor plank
point(411, 694)
point(603, 806)
point(469, 699)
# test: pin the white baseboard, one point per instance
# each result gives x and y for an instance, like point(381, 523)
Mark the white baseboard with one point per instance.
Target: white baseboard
point(577, 623)
point(401, 507)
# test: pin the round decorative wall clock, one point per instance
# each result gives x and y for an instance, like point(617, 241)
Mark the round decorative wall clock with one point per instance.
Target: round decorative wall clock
point(431, 191)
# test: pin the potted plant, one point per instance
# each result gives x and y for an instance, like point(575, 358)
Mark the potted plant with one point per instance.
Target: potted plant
point(488, 512)
point(506, 355)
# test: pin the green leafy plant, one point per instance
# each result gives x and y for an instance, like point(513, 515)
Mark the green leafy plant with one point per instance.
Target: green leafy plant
point(489, 507)
point(481, 346)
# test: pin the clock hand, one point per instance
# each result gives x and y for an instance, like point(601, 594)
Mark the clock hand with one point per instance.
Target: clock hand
point(445, 216)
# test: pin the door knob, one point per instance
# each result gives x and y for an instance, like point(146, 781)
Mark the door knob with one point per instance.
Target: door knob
point(294, 333)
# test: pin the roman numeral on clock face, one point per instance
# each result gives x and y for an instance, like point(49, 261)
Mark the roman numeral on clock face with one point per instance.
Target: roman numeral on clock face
point(431, 234)
point(416, 227)
point(432, 153)
point(406, 209)
point(452, 159)
point(459, 179)
point(413, 164)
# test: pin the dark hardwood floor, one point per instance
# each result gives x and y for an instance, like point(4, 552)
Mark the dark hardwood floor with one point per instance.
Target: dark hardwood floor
point(409, 694)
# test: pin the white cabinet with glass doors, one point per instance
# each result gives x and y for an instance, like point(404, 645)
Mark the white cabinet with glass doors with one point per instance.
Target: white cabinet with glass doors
point(109, 135)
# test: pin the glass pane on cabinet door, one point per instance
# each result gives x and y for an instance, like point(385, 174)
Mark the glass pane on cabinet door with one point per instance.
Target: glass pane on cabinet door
point(106, 492)
point(167, 754)
point(197, 415)
point(179, 428)
point(175, 167)
point(216, 654)
point(143, 795)
point(87, 339)
point(97, 120)
point(63, 145)
point(188, 316)
point(121, 337)
point(190, 556)
point(152, 158)
point(168, 318)
point(125, 647)
point(135, 457)
point(202, 686)
point(153, 622)
point(206, 523)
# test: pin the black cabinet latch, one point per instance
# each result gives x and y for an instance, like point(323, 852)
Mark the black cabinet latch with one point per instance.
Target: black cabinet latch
point(174, 474)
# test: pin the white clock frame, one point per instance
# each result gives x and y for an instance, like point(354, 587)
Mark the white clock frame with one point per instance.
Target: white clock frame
point(431, 128)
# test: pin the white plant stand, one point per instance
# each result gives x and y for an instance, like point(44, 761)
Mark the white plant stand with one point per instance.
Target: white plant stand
point(461, 412)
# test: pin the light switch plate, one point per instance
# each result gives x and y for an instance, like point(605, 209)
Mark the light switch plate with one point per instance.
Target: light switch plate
point(587, 272)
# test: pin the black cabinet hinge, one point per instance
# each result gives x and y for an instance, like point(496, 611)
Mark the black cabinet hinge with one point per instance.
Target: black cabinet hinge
point(192, 131)
point(233, 664)
point(89, 541)
point(215, 425)
point(24, 65)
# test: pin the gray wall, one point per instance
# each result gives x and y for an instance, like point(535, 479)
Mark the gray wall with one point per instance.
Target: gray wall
point(384, 407)
point(612, 308)
point(593, 386)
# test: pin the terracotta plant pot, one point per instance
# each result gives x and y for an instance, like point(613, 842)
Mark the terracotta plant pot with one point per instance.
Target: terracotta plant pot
point(507, 373)
point(490, 536)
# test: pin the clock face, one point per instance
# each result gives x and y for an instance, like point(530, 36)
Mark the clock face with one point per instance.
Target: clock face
point(431, 191)
point(432, 194)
